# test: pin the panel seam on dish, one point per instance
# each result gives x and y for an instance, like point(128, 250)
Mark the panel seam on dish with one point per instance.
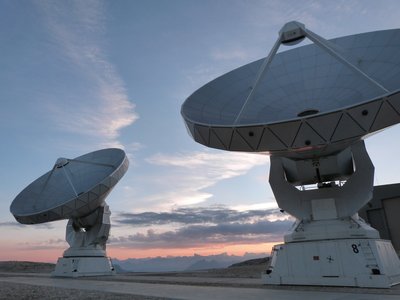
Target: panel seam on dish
point(355, 121)
point(337, 124)
point(297, 133)
point(241, 136)
point(376, 115)
point(283, 143)
point(315, 131)
point(262, 134)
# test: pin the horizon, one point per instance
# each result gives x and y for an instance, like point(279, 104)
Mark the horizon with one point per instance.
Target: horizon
point(79, 76)
point(194, 255)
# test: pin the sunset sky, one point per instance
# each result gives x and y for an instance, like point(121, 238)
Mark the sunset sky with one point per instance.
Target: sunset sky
point(78, 76)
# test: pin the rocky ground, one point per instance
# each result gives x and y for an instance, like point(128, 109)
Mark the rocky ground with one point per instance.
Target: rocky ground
point(248, 269)
point(26, 267)
point(241, 270)
point(25, 291)
point(242, 275)
point(32, 292)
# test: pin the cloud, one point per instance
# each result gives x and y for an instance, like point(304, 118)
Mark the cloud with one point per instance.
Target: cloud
point(189, 174)
point(271, 204)
point(78, 27)
point(12, 224)
point(193, 227)
point(20, 226)
point(45, 245)
point(224, 164)
point(198, 215)
point(231, 54)
point(204, 235)
point(202, 226)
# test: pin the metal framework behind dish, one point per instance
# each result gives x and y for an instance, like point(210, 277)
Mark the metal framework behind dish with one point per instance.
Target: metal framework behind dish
point(329, 244)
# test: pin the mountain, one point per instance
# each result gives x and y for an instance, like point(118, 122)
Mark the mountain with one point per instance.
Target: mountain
point(205, 264)
point(252, 262)
point(118, 269)
point(182, 263)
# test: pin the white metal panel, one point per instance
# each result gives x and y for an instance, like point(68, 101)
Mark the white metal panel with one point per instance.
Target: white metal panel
point(252, 135)
point(345, 262)
point(365, 114)
point(238, 143)
point(286, 131)
point(326, 125)
point(386, 116)
point(330, 260)
point(306, 137)
point(346, 129)
point(323, 209)
point(270, 141)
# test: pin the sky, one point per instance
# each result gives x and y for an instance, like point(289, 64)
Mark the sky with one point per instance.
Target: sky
point(79, 76)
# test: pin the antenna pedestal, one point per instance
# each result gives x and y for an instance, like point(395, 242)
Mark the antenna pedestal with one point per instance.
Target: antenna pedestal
point(329, 244)
point(83, 266)
point(310, 109)
point(350, 227)
point(75, 190)
point(353, 262)
point(87, 237)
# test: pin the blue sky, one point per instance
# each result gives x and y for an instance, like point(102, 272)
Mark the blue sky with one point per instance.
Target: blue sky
point(77, 76)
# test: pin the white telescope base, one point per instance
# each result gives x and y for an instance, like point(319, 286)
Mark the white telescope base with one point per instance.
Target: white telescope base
point(83, 266)
point(343, 262)
point(87, 237)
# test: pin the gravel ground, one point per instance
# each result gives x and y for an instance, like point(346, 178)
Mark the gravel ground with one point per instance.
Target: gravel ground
point(25, 291)
point(30, 292)
point(230, 277)
point(26, 266)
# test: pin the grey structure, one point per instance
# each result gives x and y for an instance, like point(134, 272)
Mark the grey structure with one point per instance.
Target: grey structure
point(383, 212)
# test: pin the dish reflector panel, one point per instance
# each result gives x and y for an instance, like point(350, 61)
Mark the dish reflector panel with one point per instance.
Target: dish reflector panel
point(329, 92)
point(72, 189)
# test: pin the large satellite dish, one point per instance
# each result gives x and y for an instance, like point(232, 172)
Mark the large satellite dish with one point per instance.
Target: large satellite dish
point(76, 189)
point(320, 96)
point(310, 109)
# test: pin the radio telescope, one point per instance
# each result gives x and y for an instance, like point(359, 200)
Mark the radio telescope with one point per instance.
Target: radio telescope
point(76, 189)
point(310, 108)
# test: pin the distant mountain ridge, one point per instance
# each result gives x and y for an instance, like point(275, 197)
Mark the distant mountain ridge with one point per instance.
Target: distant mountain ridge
point(252, 262)
point(182, 263)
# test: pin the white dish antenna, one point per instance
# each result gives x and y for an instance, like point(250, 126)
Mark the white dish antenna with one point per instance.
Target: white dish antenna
point(310, 109)
point(313, 99)
point(76, 189)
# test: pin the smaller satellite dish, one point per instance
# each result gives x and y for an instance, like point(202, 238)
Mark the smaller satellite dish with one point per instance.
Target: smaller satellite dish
point(72, 188)
point(76, 189)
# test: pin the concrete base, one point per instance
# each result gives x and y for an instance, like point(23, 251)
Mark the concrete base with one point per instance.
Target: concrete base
point(344, 262)
point(83, 266)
